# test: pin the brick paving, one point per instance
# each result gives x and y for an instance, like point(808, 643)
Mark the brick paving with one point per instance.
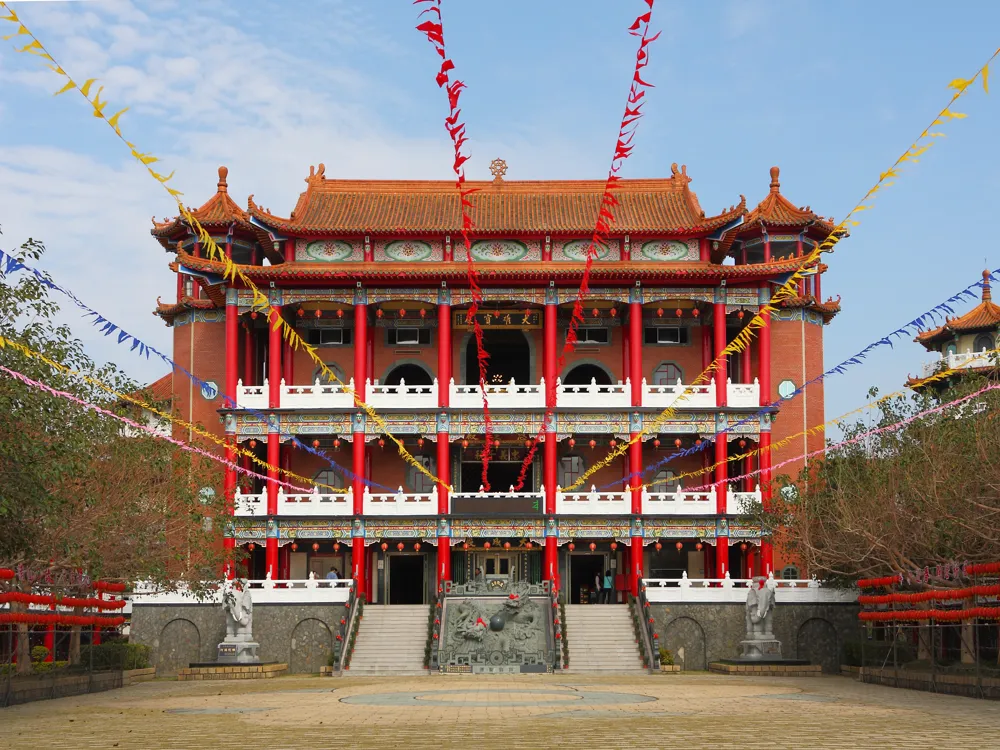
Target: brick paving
point(531, 711)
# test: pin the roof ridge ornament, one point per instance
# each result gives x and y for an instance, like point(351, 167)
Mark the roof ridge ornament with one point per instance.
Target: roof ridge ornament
point(223, 185)
point(987, 294)
point(498, 168)
point(775, 184)
point(317, 174)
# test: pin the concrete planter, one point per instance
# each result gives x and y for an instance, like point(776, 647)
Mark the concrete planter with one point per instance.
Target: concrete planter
point(326, 671)
point(133, 676)
point(670, 668)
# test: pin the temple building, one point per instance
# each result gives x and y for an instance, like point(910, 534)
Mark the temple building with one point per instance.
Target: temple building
point(966, 343)
point(373, 274)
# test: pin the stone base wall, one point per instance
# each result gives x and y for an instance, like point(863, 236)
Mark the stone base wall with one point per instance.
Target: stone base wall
point(299, 635)
point(698, 634)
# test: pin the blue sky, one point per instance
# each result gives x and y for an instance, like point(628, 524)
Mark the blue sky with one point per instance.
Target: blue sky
point(831, 92)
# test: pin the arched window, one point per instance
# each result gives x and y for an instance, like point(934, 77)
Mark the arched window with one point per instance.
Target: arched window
point(330, 478)
point(570, 469)
point(584, 373)
point(411, 372)
point(664, 483)
point(326, 379)
point(984, 342)
point(790, 573)
point(417, 480)
point(667, 373)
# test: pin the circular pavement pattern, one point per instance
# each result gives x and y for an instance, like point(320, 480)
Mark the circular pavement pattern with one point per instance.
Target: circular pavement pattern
point(497, 698)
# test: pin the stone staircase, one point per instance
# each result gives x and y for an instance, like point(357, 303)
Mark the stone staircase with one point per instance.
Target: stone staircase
point(391, 640)
point(601, 639)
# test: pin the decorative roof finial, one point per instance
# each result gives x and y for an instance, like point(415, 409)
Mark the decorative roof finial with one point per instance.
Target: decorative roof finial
point(775, 185)
point(498, 168)
point(987, 295)
point(223, 173)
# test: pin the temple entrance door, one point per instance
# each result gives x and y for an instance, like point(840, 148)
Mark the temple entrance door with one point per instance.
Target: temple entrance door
point(406, 579)
point(502, 475)
point(510, 357)
point(498, 566)
point(583, 569)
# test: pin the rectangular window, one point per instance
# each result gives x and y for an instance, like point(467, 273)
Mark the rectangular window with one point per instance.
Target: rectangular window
point(408, 336)
point(592, 335)
point(330, 336)
point(667, 335)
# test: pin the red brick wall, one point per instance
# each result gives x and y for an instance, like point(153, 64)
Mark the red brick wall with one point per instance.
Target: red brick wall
point(200, 348)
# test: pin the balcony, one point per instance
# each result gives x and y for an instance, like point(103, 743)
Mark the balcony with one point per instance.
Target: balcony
point(265, 591)
point(964, 361)
point(498, 503)
point(510, 395)
point(312, 503)
point(593, 503)
point(702, 503)
point(401, 503)
point(730, 590)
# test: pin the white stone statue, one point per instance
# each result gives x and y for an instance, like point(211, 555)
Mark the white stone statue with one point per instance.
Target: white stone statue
point(760, 608)
point(238, 605)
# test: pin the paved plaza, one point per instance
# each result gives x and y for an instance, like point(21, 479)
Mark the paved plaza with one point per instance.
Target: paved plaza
point(537, 711)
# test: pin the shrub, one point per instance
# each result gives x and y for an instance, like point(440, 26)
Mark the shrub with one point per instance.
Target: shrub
point(666, 658)
point(876, 653)
point(116, 655)
point(39, 654)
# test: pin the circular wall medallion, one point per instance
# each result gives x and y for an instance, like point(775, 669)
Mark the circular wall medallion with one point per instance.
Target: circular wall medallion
point(498, 251)
point(667, 250)
point(577, 250)
point(786, 388)
point(408, 251)
point(210, 390)
point(326, 251)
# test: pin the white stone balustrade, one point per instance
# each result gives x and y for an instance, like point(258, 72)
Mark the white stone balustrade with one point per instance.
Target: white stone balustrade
point(516, 501)
point(678, 503)
point(315, 503)
point(401, 503)
point(734, 590)
point(500, 395)
point(251, 396)
point(965, 360)
point(663, 396)
point(249, 505)
point(594, 395)
point(266, 591)
point(743, 394)
point(593, 503)
point(737, 503)
point(313, 396)
point(402, 396)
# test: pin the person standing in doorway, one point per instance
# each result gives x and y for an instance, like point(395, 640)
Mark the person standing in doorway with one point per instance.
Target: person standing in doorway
point(606, 589)
point(597, 587)
point(333, 575)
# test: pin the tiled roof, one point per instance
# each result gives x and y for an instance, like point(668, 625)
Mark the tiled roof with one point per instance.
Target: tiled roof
point(776, 211)
point(660, 206)
point(162, 389)
point(219, 212)
point(983, 317)
point(610, 271)
point(827, 309)
point(169, 311)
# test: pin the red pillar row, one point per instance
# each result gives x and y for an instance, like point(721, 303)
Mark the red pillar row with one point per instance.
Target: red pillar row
point(719, 336)
point(549, 348)
point(273, 444)
point(232, 377)
point(635, 350)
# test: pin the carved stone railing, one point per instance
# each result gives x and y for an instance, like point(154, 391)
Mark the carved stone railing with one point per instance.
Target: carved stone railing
point(401, 503)
point(678, 503)
point(502, 503)
point(402, 396)
point(742, 395)
point(265, 591)
point(695, 396)
point(739, 503)
point(594, 395)
point(722, 590)
point(510, 395)
point(593, 503)
point(315, 503)
point(311, 396)
point(965, 360)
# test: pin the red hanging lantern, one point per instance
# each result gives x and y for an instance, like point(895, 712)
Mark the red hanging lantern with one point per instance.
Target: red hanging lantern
point(593, 444)
point(336, 546)
point(527, 545)
point(506, 545)
point(613, 443)
point(315, 443)
point(420, 442)
point(595, 313)
point(379, 313)
point(571, 546)
point(465, 444)
point(593, 546)
point(402, 312)
point(416, 546)
point(679, 546)
point(696, 312)
point(571, 442)
point(251, 546)
point(400, 546)
point(336, 444)
point(381, 442)
point(740, 315)
point(527, 443)
point(613, 312)
point(659, 312)
point(465, 545)
point(698, 442)
point(340, 313)
point(295, 546)
point(315, 546)
point(486, 545)
point(743, 443)
point(423, 312)
point(698, 546)
point(496, 444)
point(656, 443)
point(614, 546)
point(384, 546)
point(677, 442)
point(743, 546)
point(658, 546)
point(678, 312)
point(253, 315)
point(300, 312)
point(253, 443)
point(318, 313)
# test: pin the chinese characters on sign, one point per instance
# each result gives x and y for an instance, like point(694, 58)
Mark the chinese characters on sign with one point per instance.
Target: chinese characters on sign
point(500, 319)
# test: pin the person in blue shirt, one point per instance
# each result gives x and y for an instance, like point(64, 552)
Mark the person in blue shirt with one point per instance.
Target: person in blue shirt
point(333, 575)
point(606, 588)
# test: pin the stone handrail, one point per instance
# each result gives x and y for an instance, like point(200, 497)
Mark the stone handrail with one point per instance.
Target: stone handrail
point(315, 503)
point(662, 396)
point(401, 503)
point(722, 590)
point(594, 395)
point(500, 395)
point(402, 396)
point(743, 394)
point(592, 502)
point(957, 361)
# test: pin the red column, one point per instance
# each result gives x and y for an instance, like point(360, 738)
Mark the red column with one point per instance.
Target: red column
point(444, 353)
point(635, 565)
point(273, 445)
point(180, 286)
point(358, 565)
point(709, 561)
point(722, 556)
point(745, 375)
point(764, 359)
point(444, 474)
point(721, 473)
point(719, 334)
point(751, 562)
point(287, 360)
point(360, 348)
point(767, 249)
point(635, 350)
point(232, 376)
point(704, 253)
point(549, 348)
point(764, 457)
point(358, 467)
point(635, 472)
point(550, 462)
point(816, 285)
point(551, 560)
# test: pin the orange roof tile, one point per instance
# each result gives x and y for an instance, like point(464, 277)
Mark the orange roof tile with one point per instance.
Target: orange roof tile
point(777, 211)
point(219, 211)
point(543, 206)
point(983, 317)
point(162, 389)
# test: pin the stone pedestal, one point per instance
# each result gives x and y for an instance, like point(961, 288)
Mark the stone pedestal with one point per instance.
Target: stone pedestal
point(238, 652)
point(761, 649)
